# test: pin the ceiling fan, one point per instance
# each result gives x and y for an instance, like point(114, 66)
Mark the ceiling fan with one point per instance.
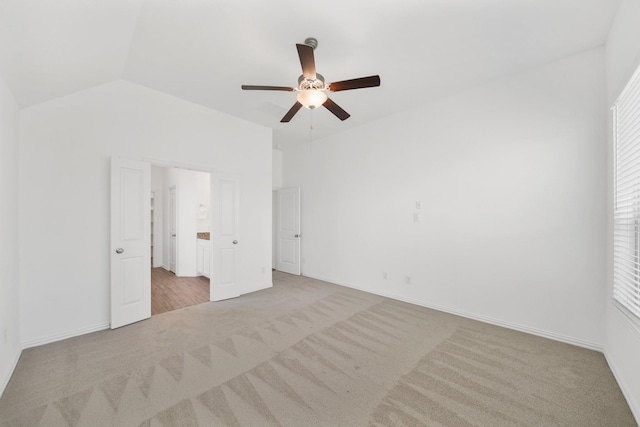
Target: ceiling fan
point(312, 88)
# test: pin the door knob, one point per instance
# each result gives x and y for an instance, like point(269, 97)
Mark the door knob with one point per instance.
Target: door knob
point(173, 235)
point(297, 235)
point(235, 242)
point(119, 250)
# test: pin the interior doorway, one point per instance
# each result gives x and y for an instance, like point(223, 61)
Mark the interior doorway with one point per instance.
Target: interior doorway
point(130, 237)
point(287, 230)
point(180, 235)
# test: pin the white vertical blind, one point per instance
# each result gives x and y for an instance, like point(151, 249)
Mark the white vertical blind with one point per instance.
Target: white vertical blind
point(626, 246)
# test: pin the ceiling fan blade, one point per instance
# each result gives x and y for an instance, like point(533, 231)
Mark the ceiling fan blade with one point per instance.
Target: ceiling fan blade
point(307, 61)
point(336, 109)
point(292, 112)
point(361, 83)
point(253, 87)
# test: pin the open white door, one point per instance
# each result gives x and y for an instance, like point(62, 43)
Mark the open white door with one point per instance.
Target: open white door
point(130, 241)
point(289, 230)
point(225, 209)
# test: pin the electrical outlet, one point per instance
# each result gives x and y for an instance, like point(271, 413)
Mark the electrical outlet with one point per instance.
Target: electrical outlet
point(407, 280)
point(416, 217)
point(384, 275)
point(263, 270)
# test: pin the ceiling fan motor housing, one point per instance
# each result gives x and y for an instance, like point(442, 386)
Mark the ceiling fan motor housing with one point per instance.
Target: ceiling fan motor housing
point(304, 83)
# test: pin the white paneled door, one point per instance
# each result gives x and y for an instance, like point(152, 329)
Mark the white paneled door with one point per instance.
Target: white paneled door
point(225, 259)
point(130, 241)
point(173, 229)
point(289, 230)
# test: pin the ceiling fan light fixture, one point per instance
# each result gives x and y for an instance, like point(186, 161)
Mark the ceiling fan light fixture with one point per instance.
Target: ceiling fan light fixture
point(311, 98)
point(311, 90)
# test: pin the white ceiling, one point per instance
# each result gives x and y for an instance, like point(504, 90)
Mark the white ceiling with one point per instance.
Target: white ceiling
point(203, 50)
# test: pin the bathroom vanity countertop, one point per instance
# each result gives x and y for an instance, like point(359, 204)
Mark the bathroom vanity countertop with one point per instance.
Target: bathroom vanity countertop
point(204, 235)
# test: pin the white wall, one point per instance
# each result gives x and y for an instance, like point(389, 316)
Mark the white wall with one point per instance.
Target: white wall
point(64, 193)
point(186, 183)
point(186, 218)
point(512, 182)
point(277, 169)
point(276, 184)
point(203, 203)
point(157, 187)
point(9, 287)
point(622, 343)
point(170, 176)
point(274, 234)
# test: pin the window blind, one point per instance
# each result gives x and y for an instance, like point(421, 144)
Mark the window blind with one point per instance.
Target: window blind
point(626, 252)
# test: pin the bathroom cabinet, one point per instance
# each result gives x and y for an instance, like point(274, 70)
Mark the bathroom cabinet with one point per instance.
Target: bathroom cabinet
point(204, 260)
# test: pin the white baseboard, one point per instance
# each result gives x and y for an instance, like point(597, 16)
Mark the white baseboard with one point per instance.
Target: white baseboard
point(505, 324)
point(191, 273)
point(6, 376)
point(102, 326)
point(257, 288)
point(633, 404)
point(63, 336)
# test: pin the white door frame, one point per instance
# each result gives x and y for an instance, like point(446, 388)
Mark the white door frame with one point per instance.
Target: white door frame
point(212, 173)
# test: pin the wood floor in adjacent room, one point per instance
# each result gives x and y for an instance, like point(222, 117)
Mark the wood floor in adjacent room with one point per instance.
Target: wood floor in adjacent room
point(170, 292)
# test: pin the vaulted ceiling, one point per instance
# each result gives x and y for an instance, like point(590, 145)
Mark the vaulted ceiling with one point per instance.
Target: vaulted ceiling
point(203, 50)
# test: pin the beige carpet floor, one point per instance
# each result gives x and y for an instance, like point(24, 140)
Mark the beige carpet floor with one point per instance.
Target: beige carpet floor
point(310, 353)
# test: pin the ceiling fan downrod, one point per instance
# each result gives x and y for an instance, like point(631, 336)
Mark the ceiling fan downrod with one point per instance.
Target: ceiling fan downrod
point(311, 41)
